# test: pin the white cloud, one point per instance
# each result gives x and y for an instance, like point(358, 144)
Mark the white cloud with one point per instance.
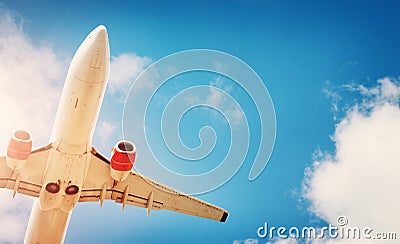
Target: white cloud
point(361, 179)
point(215, 98)
point(283, 241)
point(14, 215)
point(124, 69)
point(335, 98)
point(104, 131)
point(31, 78)
point(247, 241)
point(237, 115)
point(219, 99)
point(389, 90)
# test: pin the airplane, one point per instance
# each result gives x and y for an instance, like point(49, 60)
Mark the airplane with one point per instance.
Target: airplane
point(69, 169)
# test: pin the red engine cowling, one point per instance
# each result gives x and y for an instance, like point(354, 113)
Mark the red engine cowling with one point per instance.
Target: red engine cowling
point(122, 158)
point(19, 149)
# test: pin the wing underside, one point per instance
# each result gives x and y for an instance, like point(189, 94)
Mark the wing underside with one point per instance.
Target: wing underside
point(28, 180)
point(143, 192)
point(136, 190)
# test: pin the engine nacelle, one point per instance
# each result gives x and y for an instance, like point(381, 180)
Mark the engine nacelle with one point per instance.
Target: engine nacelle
point(122, 158)
point(19, 149)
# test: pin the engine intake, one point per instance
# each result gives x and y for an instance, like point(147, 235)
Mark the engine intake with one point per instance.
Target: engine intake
point(19, 149)
point(122, 158)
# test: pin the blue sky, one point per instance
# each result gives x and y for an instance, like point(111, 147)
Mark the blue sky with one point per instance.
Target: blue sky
point(300, 50)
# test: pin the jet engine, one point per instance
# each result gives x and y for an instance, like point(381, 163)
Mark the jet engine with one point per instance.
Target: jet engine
point(122, 158)
point(19, 149)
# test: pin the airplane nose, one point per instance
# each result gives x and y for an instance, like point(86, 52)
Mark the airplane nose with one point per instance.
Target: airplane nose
point(91, 62)
point(99, 34)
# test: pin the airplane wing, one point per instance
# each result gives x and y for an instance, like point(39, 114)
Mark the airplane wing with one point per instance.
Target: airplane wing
point(141, 191)
point(28, 180)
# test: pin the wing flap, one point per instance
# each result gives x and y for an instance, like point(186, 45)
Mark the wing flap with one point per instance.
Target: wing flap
point(135, 200)
point(27, 188)
point(93, 195)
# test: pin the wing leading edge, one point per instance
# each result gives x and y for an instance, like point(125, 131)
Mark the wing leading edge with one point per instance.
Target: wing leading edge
point(141, 191)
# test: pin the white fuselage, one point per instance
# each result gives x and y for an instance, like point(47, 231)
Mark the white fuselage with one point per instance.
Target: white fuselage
point(71, 140)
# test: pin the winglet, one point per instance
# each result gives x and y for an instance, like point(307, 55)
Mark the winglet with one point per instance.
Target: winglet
point(224, 216)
